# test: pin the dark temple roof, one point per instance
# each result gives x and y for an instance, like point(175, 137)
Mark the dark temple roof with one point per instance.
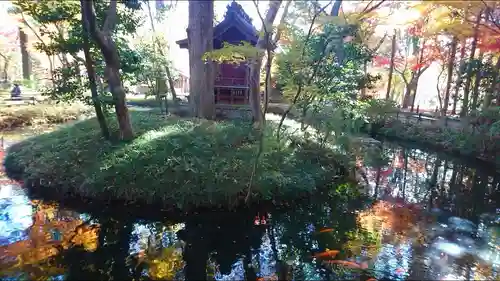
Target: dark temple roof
point(235, 17)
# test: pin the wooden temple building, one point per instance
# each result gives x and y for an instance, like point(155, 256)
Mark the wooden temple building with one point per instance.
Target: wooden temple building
point(232, 83)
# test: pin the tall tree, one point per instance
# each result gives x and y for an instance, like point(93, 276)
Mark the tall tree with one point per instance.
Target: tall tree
point(270, 53)
point(391, 67)
point(25, 56)
point(465, 102)
point(477, 80)
point(490, 93)
point(103, 38)
point(255, 67)
point(200, 41)
point(160, 49)
point(91, 73)
point(458, 82)
point(451, 64)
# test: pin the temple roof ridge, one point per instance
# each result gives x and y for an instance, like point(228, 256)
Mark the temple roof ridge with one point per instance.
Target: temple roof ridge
point(235, 17)
point(235, 9)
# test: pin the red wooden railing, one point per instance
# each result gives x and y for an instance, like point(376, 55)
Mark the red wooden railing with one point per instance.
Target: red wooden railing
point(229, 81)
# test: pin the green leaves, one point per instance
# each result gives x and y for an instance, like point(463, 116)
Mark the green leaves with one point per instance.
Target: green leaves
point(59, 28)
point(232, 53)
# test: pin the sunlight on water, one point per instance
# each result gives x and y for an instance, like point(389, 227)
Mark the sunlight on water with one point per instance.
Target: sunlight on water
point(415, 230)
point(15, 214)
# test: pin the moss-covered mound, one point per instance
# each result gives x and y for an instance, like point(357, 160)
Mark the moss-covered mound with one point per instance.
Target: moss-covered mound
point(181, 163)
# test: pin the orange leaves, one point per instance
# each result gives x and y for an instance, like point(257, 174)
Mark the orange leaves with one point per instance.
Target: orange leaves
point(387, 216)
point(491, 44)
point(454, 18)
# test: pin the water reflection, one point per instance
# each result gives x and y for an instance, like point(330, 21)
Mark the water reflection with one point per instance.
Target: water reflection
point(435, 220)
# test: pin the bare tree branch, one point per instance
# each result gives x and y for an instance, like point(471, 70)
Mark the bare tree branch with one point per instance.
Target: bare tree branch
point(283, 16)
point(376, 6)
point(379, 43)
point(489, 12)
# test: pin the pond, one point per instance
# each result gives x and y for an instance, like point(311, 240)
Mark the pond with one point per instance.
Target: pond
point(423, 216)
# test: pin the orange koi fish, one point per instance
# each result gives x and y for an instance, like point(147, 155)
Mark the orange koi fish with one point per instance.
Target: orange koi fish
point(327, 254)
point(345, 263)
point(400, 270)
point(324, 230)
point(371, 279)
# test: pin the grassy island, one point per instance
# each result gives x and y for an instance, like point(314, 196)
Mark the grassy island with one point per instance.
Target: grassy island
point(181, 163)
point(19, 116)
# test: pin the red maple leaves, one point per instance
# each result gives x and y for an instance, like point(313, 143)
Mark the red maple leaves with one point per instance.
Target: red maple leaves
point(429, 52)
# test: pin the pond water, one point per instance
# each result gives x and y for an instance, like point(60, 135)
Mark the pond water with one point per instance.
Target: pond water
point(427, 217)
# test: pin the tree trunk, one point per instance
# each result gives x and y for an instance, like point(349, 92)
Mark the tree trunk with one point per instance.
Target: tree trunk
point(271, 53)
point(407, 99)
point(459, 77)
point(25, 56)
point(411, 89)
point(417, 75)
point(110, 53)
point(477, 82)
point(391, 68)
point(438, 90)
point(262, 45)
point(493, 88)
point(465, 104)
point(336, 8)
point(89, 64)
point(451, 63)
point(200, 41)
point(40, 40)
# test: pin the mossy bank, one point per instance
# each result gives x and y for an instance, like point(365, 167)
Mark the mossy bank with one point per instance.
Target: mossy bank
point(180, 163)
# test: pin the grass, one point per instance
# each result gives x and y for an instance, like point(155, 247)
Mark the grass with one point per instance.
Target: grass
point(183, 163)
point(144, 102)
point(26, 115)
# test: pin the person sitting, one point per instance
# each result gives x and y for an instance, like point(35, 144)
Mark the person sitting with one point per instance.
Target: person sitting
point(16, 92)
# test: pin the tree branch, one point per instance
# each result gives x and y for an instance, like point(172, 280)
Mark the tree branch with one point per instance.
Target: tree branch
point(336, 8)
point(379, 44)
point(283, 16)
point(367, 11)
point(490, 14)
